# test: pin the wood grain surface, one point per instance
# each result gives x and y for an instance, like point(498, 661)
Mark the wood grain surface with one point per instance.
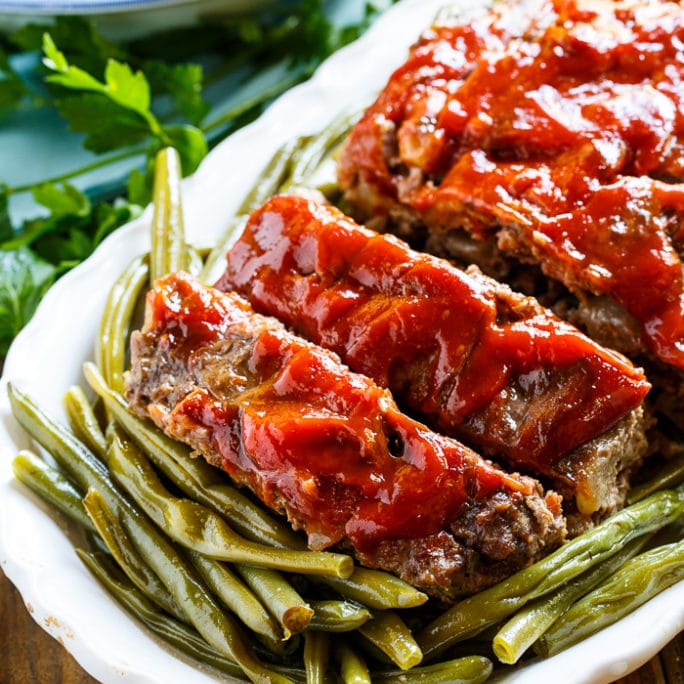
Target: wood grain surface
point(28, 655)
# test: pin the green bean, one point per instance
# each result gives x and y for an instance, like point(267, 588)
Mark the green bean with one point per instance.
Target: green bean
point(389, 633)
point(316, 653)
point(291, 611)
point(178, 634)
point(472, 615)
point(211, 622)
point(670, 475)
point(194, 476)
point(376, 589)
point(51, 486)
point(111, 342)
point(79, 463)
point(195, 262)
point(167, 253)
point(201, 529)
point(126, 555)
point(529, 623)
point(314, 151)
point(191, 595)
point(466, 670)
point(638, 580)
point(83, 422)
point(353, 668)
point(235, 595)
point(274, 175)
point(338, 616)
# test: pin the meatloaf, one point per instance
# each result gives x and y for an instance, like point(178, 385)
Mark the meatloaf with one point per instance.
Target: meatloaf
point(329, 448)
point(472, 358)
point(545, 137)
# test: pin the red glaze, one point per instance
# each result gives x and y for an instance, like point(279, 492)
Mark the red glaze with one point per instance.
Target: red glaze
point(505, 373)
point(301, 430)
point(565, 120)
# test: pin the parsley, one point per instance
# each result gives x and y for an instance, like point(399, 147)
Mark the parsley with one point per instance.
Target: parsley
point(24, 278)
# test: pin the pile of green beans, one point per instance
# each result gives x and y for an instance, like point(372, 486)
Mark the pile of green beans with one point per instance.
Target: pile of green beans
point(213, 574)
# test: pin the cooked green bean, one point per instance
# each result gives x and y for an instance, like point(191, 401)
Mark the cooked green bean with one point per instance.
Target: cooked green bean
point(670, 475)
point(111, 342)
point(638, 580)
point(466, 670)
point(195, 262)
point(529, 623)
point(376, 589)
point(194, 476)
point(316, 149)
point(190, 594)
point(83, 421)
point(338, 616)
point(235, 595)
point(178, 634)
point(51, 486)
point(167, 254)
point(279, 597)
point(389, 633)
point(353, 668)
point(316, 653)
point(201, 529)
point(126, 555)
point(80, 464)
point(472, 615)
point(274, 175)
point(211, 622)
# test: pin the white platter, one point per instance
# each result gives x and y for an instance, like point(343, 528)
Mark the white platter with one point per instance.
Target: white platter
point(36, 552)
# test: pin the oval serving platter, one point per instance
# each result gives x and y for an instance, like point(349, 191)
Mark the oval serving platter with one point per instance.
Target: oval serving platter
point(36, 548)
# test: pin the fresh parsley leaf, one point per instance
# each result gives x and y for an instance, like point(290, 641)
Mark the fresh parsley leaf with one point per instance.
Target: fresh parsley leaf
point(121, 85)
point(106, 218)
point(128, 88)
point(116, 112)
point(24, 278)
point(106, 125)
point(73, 228)
point(184, 84)
point(67, 247)
point(62, 201)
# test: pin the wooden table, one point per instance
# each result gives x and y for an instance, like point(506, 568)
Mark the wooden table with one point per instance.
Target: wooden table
point(29, 656)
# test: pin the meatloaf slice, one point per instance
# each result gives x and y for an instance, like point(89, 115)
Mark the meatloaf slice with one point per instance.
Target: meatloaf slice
point(329, 448)
point(471, 357)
